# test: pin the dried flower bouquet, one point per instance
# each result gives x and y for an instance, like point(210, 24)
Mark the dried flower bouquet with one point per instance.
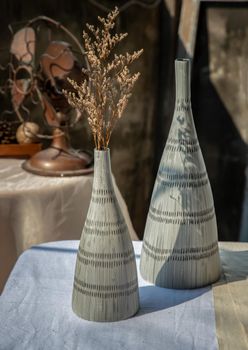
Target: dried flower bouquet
point(104, 94)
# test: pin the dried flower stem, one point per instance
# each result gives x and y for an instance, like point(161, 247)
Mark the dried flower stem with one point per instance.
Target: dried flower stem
point(105, 94)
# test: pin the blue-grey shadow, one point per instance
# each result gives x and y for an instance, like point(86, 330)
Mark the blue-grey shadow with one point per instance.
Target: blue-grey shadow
point(234, 266)
point(55, 249)
point(154, 298)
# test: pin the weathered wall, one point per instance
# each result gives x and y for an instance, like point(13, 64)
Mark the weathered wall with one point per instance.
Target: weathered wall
point(219, 100)
point(220, 107)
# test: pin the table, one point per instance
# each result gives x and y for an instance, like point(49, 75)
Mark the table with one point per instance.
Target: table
point(35, 308)
point(36, 209)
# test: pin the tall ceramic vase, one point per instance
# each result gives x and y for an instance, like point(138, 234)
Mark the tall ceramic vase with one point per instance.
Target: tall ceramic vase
point(105, 283)
point(180, 246)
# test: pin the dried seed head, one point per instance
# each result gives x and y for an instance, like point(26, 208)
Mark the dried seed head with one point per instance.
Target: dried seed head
point(105, 93)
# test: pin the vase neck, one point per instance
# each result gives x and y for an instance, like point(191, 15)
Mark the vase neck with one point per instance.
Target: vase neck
point(102, 170)
point(182, 68)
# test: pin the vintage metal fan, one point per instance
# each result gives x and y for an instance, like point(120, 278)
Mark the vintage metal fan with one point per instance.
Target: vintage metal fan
point(42, 83)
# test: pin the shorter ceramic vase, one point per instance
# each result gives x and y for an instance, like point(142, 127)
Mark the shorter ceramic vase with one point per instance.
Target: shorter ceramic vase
point(105, 284)
point(180, 245)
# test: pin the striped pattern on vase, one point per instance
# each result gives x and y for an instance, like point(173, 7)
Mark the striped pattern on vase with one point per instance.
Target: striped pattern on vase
point(105, 284)
point(180, 245)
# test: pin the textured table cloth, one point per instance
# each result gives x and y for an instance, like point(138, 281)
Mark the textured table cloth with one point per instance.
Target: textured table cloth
point(35, 308)
point(36, 209)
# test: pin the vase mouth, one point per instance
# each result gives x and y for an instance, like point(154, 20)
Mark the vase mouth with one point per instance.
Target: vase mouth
point(101, 153)
point(182, 60)
point(102, 150)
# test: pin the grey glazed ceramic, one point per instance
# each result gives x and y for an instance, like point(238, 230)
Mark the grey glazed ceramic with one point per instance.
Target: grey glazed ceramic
point(180, 245)
point(105, 284)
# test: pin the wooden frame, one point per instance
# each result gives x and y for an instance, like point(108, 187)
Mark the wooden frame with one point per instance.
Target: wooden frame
point(188, 25)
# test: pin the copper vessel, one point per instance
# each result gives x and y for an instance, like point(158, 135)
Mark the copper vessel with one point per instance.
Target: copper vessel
point(59, 159)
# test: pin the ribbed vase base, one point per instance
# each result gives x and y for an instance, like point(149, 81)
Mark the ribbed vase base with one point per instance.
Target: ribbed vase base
point(182, 275)
point(171, 284)
point(96, 315)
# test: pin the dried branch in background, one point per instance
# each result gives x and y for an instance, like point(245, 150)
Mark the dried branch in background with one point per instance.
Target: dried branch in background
point(145, 4)
point(104, 95)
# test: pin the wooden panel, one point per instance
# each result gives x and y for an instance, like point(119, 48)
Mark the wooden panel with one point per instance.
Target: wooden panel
point(188, 28)
point(231, 297)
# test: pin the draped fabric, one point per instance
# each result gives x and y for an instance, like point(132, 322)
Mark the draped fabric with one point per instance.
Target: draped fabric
point(36, 307)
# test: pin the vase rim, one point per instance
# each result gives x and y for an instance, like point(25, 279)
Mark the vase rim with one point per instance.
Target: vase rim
point(182, 60)
point(102, 151)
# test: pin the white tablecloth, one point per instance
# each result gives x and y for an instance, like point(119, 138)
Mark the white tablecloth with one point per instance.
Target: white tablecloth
point(35, 311)
point(36, 209)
